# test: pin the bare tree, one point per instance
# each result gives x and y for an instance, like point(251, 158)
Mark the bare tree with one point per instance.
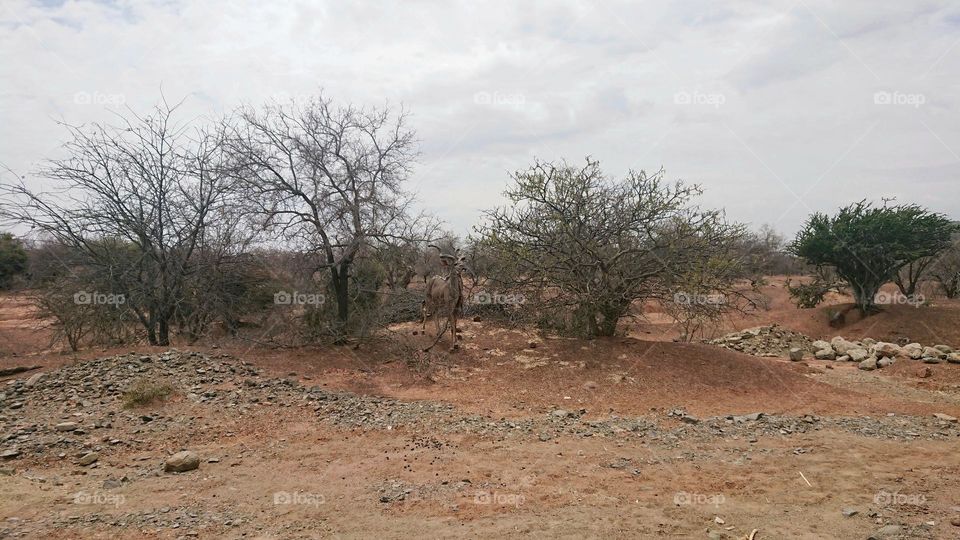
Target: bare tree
point(135, 199)
point(328, 178)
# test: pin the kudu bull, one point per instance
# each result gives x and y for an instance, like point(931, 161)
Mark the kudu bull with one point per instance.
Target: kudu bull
point(444, 296)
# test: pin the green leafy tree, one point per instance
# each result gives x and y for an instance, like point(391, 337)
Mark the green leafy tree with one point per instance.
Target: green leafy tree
point(869, 245)
point(575, 242)
point(13, 259)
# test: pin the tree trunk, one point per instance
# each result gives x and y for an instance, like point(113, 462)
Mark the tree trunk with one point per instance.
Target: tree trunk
point(863, 296)
point(163, 331)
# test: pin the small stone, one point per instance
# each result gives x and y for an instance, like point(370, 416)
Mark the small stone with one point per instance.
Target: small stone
point(182, 462)
point(66, 426)
point(10, 454)
point(944, 417)
point(590, 385)
point(112, 483)
point(890, 531)
point(955, 521)
point(850, 512)
point(884, 362)
point(796, 354)
point(88, 459)
point(869, 364)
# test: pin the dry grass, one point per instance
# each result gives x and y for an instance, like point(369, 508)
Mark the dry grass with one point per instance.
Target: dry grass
point(144, 392)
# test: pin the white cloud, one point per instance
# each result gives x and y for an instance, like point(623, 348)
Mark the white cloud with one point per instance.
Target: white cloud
point(781, 96)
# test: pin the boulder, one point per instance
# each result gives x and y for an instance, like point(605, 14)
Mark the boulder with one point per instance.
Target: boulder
point(820, 345)
point(887, 350)
point(825, 354)
point(869, 364)
point(858, 354)
point(842, 346)
point(796, 354)
point(946, 349)
point(868, 342)
point(884, 362)
point(932, 360)
point(953, 358)
point(933, 353)
point(912, 350)
point(182, 462)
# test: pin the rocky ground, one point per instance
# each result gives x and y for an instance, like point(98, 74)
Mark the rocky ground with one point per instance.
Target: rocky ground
point(71, 447)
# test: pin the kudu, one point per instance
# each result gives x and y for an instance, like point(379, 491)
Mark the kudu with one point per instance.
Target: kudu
point(444, 296)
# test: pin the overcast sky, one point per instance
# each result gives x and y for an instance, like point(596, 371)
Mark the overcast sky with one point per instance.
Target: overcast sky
point(776, 108)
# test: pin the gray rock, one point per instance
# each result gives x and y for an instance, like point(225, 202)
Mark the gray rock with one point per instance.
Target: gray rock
point(869, 364)
point(88, 459)
point(946, 349)
point(825, 354)
point(932, 360)
point(884, 362)
point(858, 354)
point(890, 531)
point(10, 453)
point(820, 345)
point(953, 358)
point(944, 417)
point(933, 353)
point(796, 354)
point(842, 346)
point(182, 462)
point(66, 426)
point(886, 350)
point(912, 350)
point(850, 512)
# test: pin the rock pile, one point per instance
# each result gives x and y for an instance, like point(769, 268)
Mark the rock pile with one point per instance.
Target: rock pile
point(764, 341)
point(871, 354)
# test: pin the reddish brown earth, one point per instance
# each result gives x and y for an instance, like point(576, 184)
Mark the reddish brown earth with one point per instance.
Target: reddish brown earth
point(470, 484)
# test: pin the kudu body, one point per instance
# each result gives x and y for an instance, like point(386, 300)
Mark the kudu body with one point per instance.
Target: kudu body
point(444, 296)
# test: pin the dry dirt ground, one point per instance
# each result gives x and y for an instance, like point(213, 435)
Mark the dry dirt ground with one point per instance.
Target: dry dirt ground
point(513, 435)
